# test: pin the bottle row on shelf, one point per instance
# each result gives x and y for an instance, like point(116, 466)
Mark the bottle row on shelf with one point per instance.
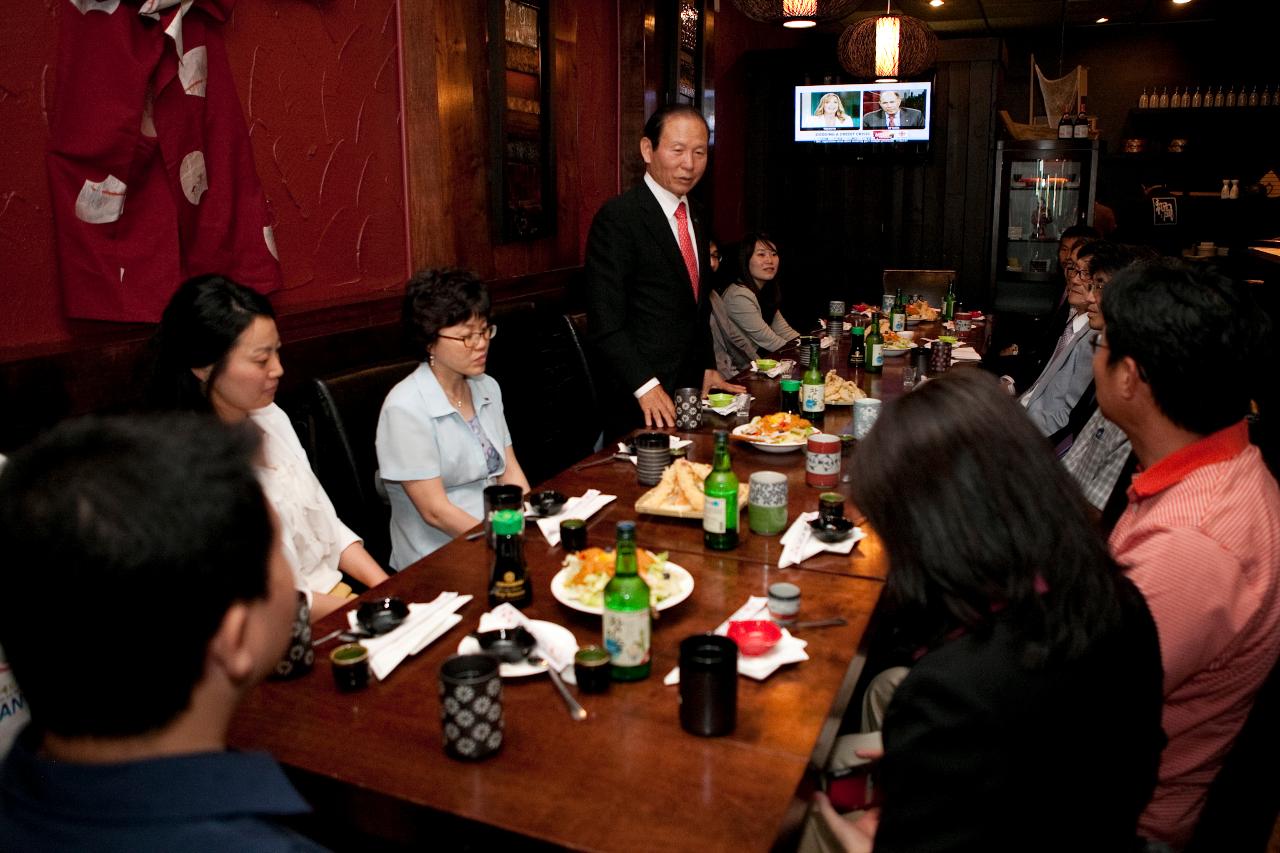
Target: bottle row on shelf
point(1220, 96)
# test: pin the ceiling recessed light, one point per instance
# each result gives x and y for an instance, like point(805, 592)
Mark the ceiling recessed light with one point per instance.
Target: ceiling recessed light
point(1181, 2)
point(935, 3)
point(1102, 20)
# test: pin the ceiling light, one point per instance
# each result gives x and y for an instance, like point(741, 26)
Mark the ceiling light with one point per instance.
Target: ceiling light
point(1181, 2)
point(796, 13)
point(935, 3)
point(1102, 20)
point(887, 47)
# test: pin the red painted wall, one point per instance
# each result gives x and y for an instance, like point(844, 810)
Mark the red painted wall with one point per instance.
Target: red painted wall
point(319, 85)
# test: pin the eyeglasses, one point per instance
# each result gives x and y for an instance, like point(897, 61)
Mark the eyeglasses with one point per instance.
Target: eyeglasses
point(1095, 286)
point(475, 339)
point(1079, 271)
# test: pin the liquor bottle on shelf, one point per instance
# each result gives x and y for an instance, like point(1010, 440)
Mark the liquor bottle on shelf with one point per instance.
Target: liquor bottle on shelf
point(720, 510)
point(874, 345)
point(1195, 99)
point(1231, 96)
point(1175, 100)
point(813, 387)
point(1218, 99)
point(1066, 124)
point(1081, 128)
point(627, 629)
point(1163, 103)
point(1253, 96)
point(1186, 97)
point(1144, 102)
point(1265, 99)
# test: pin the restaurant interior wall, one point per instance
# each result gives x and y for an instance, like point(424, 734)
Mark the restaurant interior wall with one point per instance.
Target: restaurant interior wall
point(320, 87)
point(843, 215)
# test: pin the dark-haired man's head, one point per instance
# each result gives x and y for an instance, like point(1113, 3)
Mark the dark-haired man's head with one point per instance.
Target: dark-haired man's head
point(1070, 239)
point(674, 147)
point(1179, 349)
point(153, 531)
point(1101, 259)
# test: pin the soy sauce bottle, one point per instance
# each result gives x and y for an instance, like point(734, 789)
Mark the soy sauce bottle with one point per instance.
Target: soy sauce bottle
point(509, 579)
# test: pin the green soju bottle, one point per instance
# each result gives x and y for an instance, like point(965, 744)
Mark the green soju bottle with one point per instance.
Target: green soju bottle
point(813, 388)
point(626, 612)
point(509, 579)
point(949, 301)
point(720, 509)
point(898, 317)
point(873, 346)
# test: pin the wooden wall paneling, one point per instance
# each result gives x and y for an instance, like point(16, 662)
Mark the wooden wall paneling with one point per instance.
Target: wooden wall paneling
point(567, 114)
point(431, 239)
point(975, 287)
point(462, 96)
point(953, 87)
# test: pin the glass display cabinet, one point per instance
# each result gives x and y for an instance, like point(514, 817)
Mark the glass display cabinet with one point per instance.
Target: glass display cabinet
point(1042, 188)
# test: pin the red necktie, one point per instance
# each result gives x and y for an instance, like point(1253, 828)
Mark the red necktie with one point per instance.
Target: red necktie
point(893, 121)
point(686, 247)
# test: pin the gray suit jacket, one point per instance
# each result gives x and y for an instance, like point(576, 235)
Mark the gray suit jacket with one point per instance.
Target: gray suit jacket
point(907, 117)
point(1061, 383)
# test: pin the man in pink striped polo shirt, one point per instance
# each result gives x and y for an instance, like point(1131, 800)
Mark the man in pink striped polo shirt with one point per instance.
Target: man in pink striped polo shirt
point(1201, 534)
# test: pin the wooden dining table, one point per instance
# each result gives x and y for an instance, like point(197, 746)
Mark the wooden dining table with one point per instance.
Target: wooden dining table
point(628, 777)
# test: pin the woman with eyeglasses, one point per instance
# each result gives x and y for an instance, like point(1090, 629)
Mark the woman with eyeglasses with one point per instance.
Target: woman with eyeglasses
point(218, 351)
point(442, 436)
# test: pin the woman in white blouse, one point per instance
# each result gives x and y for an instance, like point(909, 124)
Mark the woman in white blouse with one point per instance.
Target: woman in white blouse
point(442, 435)
point(752, 302)
point(219, 351)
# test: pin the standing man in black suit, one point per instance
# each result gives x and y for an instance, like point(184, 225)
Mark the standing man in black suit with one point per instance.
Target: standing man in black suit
point(892, 113)
point(647, 260)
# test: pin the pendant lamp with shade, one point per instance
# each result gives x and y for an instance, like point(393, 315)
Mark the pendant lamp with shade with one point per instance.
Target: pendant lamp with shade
point(886, 48)
point(796, 13)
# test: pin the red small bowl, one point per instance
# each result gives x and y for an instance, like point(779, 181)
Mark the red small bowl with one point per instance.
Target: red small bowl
point(755, 636)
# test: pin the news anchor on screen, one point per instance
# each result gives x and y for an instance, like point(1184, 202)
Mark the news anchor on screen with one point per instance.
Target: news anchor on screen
point(892, 113)
point(829, 113)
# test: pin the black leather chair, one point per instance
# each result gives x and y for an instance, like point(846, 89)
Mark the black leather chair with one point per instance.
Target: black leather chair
point(547, 390)
point(341, 423)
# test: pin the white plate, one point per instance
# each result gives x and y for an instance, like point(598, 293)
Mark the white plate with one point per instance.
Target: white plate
point(558, 591)
point(471, 646)
point(767, 448)
point(891, 353)
point(913, 321)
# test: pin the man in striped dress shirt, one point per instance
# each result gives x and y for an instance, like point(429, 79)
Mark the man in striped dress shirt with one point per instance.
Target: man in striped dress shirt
point(1201, 534)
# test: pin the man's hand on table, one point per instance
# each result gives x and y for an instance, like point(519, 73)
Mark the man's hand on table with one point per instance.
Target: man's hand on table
point(713, 379)
point(659, 410)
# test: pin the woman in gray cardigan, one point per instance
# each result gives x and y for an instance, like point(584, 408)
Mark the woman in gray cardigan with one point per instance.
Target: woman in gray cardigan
point(752, 301)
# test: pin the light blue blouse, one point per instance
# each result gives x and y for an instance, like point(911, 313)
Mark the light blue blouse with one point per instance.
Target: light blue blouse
point(421, 436)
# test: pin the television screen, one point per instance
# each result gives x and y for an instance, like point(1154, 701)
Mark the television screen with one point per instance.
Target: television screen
point(863, 112)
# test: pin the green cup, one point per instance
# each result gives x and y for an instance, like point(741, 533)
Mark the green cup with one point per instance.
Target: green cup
point(767, 503)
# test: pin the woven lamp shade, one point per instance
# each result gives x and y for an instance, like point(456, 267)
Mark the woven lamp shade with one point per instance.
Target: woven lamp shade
point(780, 11)
point(887, 47)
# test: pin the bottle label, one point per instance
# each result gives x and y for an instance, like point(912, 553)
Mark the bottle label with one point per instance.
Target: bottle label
point(899, 322)
point(876, 356)
point(714, 513)
point(509, 587)
point(626, 636)
point(814, 399)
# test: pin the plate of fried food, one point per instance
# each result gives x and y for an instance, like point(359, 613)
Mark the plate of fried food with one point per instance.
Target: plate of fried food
point(780, 432)
point(840, 391)
point(679, 493)
point(580, 583)
point(921, 310)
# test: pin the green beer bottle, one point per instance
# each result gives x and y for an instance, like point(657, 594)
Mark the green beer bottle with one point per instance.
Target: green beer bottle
point(898, 317)
point(949, 302)
point(873, 346)
point(720, 509)
point(813, 388)
point(626, 611)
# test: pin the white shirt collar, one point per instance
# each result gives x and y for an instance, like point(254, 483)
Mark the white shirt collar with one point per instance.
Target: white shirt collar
point(1079, 322)
point(667, 200)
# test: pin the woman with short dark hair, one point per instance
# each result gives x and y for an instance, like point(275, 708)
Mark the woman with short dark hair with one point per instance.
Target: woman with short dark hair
point(1031, 716)
point(442, 435)
point(218, 351)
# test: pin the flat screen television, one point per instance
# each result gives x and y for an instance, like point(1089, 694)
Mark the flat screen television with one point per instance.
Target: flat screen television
point(863, 113)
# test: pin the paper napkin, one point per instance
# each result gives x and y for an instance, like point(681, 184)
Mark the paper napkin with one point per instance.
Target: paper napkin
point(555, 647)
point(788, 650)
point(741, 402)
point(799, 543)
point(966, 354)
point(676, 443)
point(426, 622)
point(583, 507)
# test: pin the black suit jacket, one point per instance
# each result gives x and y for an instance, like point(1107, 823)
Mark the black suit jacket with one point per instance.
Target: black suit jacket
point(642, 319)
point(908, 117)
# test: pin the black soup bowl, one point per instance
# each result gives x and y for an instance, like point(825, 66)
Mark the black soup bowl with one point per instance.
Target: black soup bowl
point(382, 615)
point(509, 645)
point(547, 502)
point(832, 530)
